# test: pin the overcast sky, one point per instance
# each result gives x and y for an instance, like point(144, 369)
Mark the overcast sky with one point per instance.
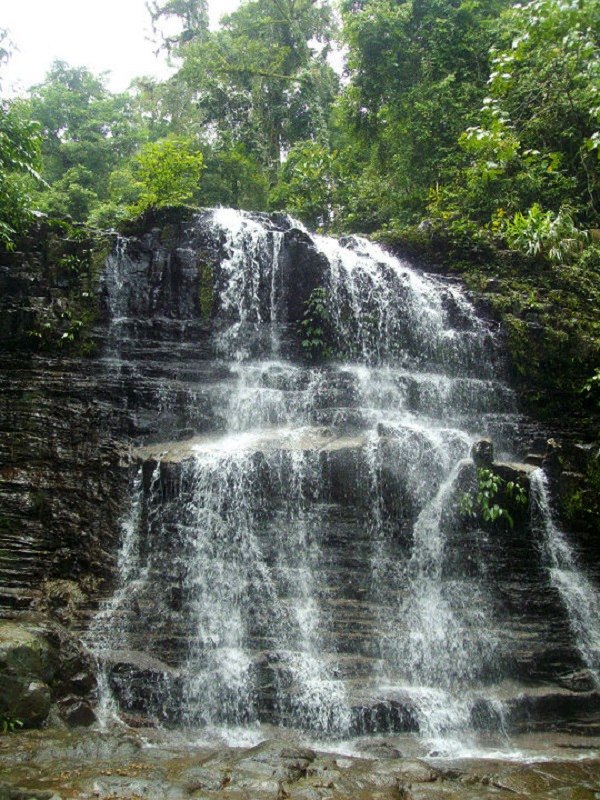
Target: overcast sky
point(104, 35)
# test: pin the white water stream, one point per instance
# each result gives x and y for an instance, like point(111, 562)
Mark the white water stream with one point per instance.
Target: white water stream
point(579, 596)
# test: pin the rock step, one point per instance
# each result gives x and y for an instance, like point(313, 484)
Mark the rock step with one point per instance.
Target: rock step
point(289, 691)
point(19, 598)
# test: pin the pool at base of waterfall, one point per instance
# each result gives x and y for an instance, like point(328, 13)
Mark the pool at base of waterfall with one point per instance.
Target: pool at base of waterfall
point(267, 763)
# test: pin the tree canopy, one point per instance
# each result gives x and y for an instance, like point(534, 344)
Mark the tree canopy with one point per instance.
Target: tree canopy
point(19, 160)
point(481, 116)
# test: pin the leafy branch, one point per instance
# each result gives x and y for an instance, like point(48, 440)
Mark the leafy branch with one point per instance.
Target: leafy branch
point(484, 503)
point(8, 723)
point(316, 326)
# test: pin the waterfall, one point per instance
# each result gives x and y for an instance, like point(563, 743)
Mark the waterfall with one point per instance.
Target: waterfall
point(577, 593)
point(293, 554)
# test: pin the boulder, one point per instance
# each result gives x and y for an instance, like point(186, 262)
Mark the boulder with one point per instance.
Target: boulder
point(42, 663)
point(26, 666)
point(76, 711)
point(8, 792)
point(482, 454)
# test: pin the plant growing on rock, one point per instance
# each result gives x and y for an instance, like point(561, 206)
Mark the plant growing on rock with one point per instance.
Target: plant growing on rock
point(9, 723)
point(316, 326)
point(537, 233)
point(482, 503)
point(162, 173)
point(591, 388)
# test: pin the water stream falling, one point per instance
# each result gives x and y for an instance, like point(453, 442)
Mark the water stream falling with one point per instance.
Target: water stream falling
point(577, 593)
point(293, 557)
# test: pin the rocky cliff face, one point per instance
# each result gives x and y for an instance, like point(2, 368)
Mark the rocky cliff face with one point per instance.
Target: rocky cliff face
point(60, 484)
point(150, 383)
point(81, 384)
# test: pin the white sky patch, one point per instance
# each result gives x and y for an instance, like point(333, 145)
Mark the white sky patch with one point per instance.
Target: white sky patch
point(104, 35)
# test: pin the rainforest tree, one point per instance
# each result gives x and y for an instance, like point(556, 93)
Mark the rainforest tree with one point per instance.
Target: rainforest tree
point(534, 150)
point(86, 132)
point(19, 161)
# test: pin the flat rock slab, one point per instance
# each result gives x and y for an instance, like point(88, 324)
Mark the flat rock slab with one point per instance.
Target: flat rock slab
point(298, 439)
point(159, 765)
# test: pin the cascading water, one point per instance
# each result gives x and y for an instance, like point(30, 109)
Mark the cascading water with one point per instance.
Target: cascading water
point(291, 556)
point(577, 593)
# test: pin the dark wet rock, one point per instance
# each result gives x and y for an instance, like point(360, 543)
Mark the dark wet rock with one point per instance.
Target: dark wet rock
point(8, 792)
point(535, 459)
point(27, 664)
point(73, 666)
point(83, 682)
point(551, 464)
point(583, 680)
point(276, 763)
point(303, 270)
point(146, 686)
point(553, 708)
point(24, 652)
point(482, 453)
point(61, 599)
point(112, 764)
point(76, 712)
point(485, 715)
point(66, 423)
point(380, 749)
point(133, 721)
point(412, 771)
point(512, 494)
point(393, 714)
point(60, 486)
point(121, 660)
point(41, 662)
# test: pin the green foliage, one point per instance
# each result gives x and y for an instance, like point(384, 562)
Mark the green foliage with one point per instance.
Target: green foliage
point(316, 326)
point(73, 257)
point(162, 173)
point(6, 46)
point(536, 142)
point(166, 173)
point(546, 81)
point(483, 504)
point(544, 233)
point(19, 161)
point(262, 80)
point(233, 177)
point(87, 132)
point(418, 77)
point(192, 16)
point(9, 723)
point(580, 502)
point(205, 290)
point(482, 116)
point(550, 315)
point(307, 184)
point(591, 388)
